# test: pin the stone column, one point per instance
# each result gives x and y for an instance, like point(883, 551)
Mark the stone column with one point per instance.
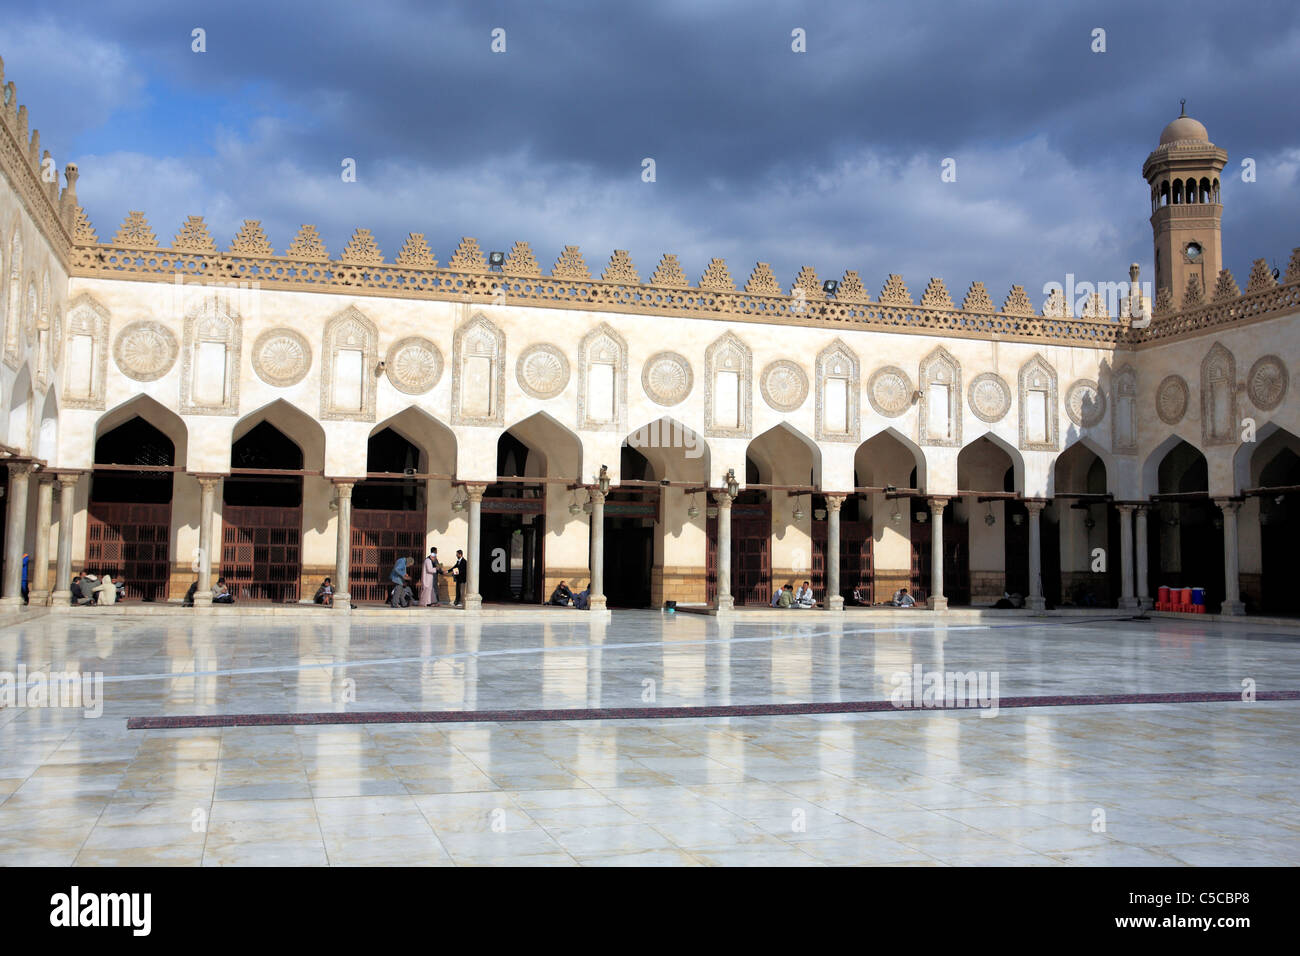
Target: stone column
point(725, 601)
point(1231, 577)
point(474, 600)
point(1126, 599)
point(834, 599)
point(1035, 601)
point(343, 548)
point(937, 601)
point(207, 511)
point(1143, 561)
point(15, 533)
point(38, 570)
point(61, 598)
point(596, 594)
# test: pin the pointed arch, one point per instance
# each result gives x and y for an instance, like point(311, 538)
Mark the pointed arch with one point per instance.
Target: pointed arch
point(889, 441)
point(675, 451)
point(1250, 457)
point(153, 412)
point(554, 450)
point(478, 376)
point(973, 450)
point(436, 442)
point(1151, 468)
point(728, 387)
point(602, 380)
point(939, 381)
point(785, 456)
point(1071, 468)
point(300, 428)
point(47, 435)
point(22, 400)
point(838, 376)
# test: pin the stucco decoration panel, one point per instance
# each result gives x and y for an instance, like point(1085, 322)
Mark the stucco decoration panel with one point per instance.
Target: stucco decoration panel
point(281, 357)
point(542, 371)
point(413, 365)
point(989, 397)
point(145, 350)
point(602, 352)
point(1172, 396)
point(85, 373)
point(347, 393)
point(1219, 421)
point(1039, 406)
point(1123, 420)
point(889, 390)
point(728, 361)
point(1085, 403)
point(478, 376)
point(667, 378)
point(210, 324)
point(838, 380)
point(939, 381)
point(1267, 382)
point(784, 385)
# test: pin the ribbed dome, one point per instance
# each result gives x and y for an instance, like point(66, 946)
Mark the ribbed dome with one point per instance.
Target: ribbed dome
point(1184, 128)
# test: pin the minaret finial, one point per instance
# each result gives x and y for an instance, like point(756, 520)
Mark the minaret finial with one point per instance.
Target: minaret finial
point(1183, 104)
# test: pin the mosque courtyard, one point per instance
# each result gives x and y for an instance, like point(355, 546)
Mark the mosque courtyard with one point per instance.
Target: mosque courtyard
point(826, 741)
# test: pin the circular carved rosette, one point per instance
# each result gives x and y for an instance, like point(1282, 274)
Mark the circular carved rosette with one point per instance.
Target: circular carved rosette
point(542, 371)
point(1085, 403)
point(1267, 382)
point(281, 357)
point(145, 350)
point(784, 385)
point(667, 378)
point(989, 397)
point(889, 390)
point(413, 365)
point(1171, 399)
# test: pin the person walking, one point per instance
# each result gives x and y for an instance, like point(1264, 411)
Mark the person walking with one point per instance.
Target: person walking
point(429, 580)
point(459, 571)
point(401, 578)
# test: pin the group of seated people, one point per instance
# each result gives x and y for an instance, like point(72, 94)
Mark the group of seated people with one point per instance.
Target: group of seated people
point(563, 596)
point(90, 589)
point(787, 596)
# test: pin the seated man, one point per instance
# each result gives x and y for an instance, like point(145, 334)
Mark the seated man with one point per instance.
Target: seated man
point(860, 597)
point(401, 595)
point(561, 596)
point(582, 599)
point(188, 600)
point(786, 598)
point(903, 599)
point(106, 591)
point(325, 594)
point(776, 596)
point(803, 598)
point(221, 593)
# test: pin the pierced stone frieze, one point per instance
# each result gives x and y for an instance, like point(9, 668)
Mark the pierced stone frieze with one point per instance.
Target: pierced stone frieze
point(1226, 287)
point(478, 377)
point(1192, 295)
point(308, 245)
point(977, 299)
point(851, 288)
point(85, 371)
point(251, 240)
point(1123, 423)
point(989, 397)
point(1085, 403)
point(83, 233)
point(521, 261)
point(194, 236)
point(468, 257)
point(895, 291)
point(1267, 382)
point(762, 281)
point(542, 371)
point(1219, 421)
point(1055, 306)
point(667, 378)
point(1039, 406)
point(210, 359)
point(413, 365)
point(889, 390)
point(1172, 396)
point(621, 269)
point(570, 265)
point(728, 388)
point(281, 357)
point(1261, 278)
point(349, 355)
point(145, 350)
point(136, 233)
point(1018, 302)
point(602, 380)
point(669, 273)
point(838, 386)
point(362, 250)
point(1293, 267)
point(415, 253)
point(936, 295)
point(784, 385)
point(807, 285)
point(717, 278)
point(1164, 302)
point(939, 382)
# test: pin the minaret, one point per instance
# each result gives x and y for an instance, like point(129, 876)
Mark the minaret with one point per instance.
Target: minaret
point(1186, 210)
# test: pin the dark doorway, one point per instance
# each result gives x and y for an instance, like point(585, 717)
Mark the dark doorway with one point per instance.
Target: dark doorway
point(855, 551)
point(388, 518)
point(261, 518)
point(751, 542)
point(1185, 529)
point(128, 522)
point(1279, 529)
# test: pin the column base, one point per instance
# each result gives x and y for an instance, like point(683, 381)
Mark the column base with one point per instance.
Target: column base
point(1036, 603)
point(726, 602)
point(1229, 609)
point(203, 599)
point(937, 603)
point(473, 602)
point(1129, 604)
point(342, 602)
point(836, 603)
point(596, 602)
point(11, 602)
point(61, 601)
point(38, 598)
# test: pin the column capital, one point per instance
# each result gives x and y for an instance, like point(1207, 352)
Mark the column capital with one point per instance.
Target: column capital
point(1126, 508)
point(68, 479)
point(20, 468)
point(343, 486)
point(596, 495)
point(208, 482)
point(938, 503)
point(1228, 505)
point(722, 498)
point(834, 503)
point(1035, 506)
point(475, 491)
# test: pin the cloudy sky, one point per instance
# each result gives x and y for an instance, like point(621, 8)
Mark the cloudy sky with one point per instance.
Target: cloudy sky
point(830, 157)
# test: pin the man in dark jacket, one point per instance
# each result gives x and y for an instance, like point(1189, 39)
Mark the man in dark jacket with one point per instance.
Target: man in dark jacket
point(459, 572)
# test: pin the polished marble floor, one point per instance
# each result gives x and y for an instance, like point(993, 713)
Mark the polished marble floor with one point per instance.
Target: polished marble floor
point(1157, 784)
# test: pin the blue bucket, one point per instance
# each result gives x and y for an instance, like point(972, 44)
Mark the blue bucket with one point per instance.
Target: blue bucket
point(1198, 595)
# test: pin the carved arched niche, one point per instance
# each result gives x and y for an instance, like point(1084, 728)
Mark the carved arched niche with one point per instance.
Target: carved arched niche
point(87, 354)
point(1039, 411)
point(349, 360)
point(939, 380)
point(728, 388)
point(1123, 423)
point(838, 386)
point(1219, 421)
point(602, 381)
point(478, 374)
point(210, 359)
point(13, 314)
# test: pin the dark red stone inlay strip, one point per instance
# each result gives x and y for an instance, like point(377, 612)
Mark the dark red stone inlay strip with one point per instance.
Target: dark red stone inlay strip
point(659, 713)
